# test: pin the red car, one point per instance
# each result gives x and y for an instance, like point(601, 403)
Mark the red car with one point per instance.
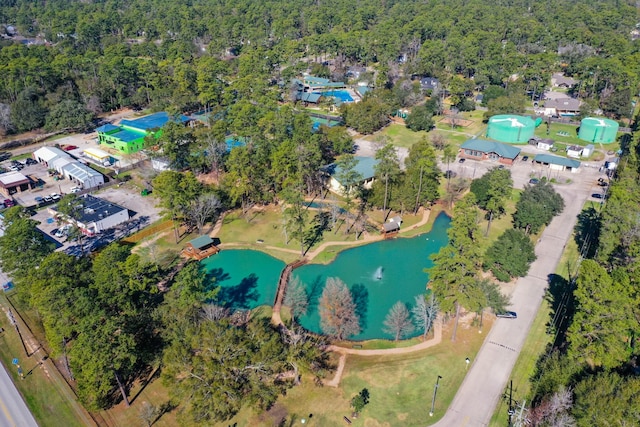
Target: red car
point(8, 203)
point(69, 147)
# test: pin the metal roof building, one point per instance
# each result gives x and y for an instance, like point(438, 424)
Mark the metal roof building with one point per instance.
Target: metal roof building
point(481, 149)
point(83, 175)
point(557, 162)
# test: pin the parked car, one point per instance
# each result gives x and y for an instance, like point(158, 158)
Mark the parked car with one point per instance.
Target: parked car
point(29, 161)
point(55, 196)
point(69, 147)
point(48, 199)
point(63, 231)
point(39, 200)
point(461, 160)
point(597, 196)
point(534, 181)
point(525, 158)
point(8, 203)
point(507, 315)
point(4, 155)
point(75, 190)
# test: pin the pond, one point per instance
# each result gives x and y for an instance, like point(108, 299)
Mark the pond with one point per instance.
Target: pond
point(378, 275)
point(247, 278)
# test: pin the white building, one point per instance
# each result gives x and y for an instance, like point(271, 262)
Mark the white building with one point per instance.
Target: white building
point(588, 150)
point(98, 215)
point(83, 175)
point(47, 154)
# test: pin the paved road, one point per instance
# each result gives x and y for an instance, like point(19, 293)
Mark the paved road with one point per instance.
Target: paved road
point(481, 389)
point(13, 410)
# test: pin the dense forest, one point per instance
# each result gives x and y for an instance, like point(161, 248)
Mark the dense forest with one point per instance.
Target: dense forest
point(89, 57)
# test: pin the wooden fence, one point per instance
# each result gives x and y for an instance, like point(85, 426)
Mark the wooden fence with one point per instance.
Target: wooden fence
point(148, 231)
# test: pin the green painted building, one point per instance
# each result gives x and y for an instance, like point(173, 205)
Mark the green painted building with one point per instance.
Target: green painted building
point(128, 137)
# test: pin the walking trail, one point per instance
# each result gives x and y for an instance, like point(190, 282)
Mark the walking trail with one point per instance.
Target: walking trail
point(335, 381)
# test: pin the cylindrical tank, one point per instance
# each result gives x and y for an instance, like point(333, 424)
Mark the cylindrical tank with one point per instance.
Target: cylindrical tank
point(510, 128)
point(596, 129)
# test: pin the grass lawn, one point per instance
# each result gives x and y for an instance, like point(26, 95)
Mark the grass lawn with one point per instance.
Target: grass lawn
point(400, 387)
point(49, 399)
point(399, 135)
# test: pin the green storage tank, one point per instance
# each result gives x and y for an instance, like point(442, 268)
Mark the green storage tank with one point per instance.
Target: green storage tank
point(595, 129)
point(511, 128)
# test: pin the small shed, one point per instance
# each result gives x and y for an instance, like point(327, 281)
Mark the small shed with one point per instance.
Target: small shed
point(574, 151)
point(200, 248)
point(588, 150)
point(392, 227)
point(545, 144)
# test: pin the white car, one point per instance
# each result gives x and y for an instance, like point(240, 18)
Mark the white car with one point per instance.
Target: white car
point(75, 190)
point(55, 196)
point(63, 231)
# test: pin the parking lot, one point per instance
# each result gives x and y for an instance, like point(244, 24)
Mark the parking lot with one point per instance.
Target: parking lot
point(141, 208)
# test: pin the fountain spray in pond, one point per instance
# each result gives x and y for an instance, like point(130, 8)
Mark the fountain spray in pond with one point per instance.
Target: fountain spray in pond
point(378, 274)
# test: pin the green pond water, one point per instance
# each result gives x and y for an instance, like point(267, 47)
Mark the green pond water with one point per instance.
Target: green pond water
point(247, 278)
point(378, 275)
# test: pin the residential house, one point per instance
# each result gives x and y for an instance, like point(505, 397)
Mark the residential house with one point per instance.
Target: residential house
point(562, 107)
point(480, 149)
point(559, 80)
point(429, 83)
point(365, 167)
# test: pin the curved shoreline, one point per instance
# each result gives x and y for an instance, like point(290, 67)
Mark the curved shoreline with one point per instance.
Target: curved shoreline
point(310, 255)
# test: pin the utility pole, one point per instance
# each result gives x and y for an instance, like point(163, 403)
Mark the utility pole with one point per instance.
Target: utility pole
point(433, 401)
point(510, 410)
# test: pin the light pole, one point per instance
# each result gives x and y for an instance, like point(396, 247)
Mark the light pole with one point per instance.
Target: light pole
point(433, 401)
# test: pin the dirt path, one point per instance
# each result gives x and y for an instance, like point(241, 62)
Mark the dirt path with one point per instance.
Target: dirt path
point(335, 381)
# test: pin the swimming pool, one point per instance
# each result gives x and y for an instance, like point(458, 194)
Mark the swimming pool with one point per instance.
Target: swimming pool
point(342, 95)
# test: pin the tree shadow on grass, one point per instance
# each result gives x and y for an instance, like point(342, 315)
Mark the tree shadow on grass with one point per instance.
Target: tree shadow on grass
point(241, 296)
point(587, 232)
point(360, 296)
point(560, 297)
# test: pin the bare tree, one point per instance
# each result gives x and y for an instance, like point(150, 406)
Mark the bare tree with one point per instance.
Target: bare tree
point(296, 298)
point(457, 188)
point(425, 313)
point(438, 141)
point(554, 411)
point(6, 125)
point(148, 413)
point(214, 312)
point(216, 150)
point(204, 209)
point(398, 321)
point(338, 316)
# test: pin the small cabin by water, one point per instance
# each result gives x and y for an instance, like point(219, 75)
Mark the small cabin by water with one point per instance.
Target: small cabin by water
point(392, 227)
point(200, 248)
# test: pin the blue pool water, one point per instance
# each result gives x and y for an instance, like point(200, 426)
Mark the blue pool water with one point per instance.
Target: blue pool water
point(342, 95)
